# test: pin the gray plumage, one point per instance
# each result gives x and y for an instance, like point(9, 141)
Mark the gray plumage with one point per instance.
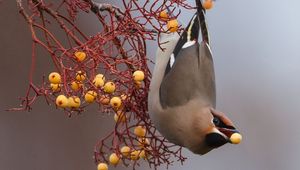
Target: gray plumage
point(182, 96)
point(190, 77)
point(181, 107)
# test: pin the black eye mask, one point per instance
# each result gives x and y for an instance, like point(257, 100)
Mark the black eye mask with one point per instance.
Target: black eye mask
point(220, 124)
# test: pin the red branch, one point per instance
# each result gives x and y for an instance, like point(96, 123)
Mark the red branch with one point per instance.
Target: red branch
point(117, 50)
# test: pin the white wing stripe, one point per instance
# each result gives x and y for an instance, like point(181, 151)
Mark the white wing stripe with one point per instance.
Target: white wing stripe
point(188, 44)
point(172, 60)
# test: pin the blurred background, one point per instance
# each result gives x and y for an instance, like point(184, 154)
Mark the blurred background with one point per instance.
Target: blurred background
point(256, 48)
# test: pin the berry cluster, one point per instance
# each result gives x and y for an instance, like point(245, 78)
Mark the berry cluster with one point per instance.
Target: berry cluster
point(108, 69)
point(80, 90)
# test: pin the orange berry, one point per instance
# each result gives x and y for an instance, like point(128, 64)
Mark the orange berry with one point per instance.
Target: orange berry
point(139, 131)
point(119, 116)
point(124, 97)
point(55, 87)
point(100, 76)
point(172, 25)
point(208, 4)
point(125, 150)
point(138, 84)
point(102, 166)
point(109, 87)
point(163, 15)
point(143, 154)
point(236, 138)
point(98, 82)
point(104, 100)
point(143, 141)
point(76, 85)
point(54, 78)
point(74, 102)
point(90, 96)
point(80, 76)
point(115, 102)
point(138, 75)
point(79, 55)
point(62, 101)
point(135, 155)
point(114, 159)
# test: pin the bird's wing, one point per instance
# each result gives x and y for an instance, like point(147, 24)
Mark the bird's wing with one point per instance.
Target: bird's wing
point(190, 71)
point(208, 86)
point(191, 76)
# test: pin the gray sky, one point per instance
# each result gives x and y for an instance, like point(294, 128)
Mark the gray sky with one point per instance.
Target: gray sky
point(256, 51)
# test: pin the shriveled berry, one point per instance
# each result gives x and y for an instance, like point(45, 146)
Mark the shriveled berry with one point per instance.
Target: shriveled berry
point(55, 87)
point(80, 55)
point(80, 76)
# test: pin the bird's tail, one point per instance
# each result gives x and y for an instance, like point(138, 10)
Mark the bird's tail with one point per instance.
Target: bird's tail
point(191, 32)
point(202, 22)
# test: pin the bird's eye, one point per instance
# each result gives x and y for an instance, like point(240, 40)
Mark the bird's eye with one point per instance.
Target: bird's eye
point(216, 121)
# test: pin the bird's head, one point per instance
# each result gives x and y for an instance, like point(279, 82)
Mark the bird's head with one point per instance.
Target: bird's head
point(222, 131)
point(212, 131)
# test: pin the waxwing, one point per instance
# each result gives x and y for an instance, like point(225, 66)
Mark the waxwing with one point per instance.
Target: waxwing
point(182, 96)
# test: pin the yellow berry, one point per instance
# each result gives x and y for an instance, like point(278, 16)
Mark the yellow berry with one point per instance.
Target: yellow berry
point(90, 96)
point(115, 102)
point(74, 102)
point(163, 15)
point(98, 82)
point(104, 100)
point(139, 131)
point(124, 97)
point(143, 154)
point(80, 76)
point(138, 75)
point(114, 159)
point(76, 85)
point(138, 84)
point(236, 138)
point(143, 142)
point(172, 25)
point(80, 56)
point(119, 116)
point(208, 4)
point(135, 155)
point(54, 78)
point(125, 150)
point(109, 87)
point(100, 76)
point(62, 101)
point(55, 87)
point(102, 166)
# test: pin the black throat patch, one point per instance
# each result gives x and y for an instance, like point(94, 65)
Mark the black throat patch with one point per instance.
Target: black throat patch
point(215, 140)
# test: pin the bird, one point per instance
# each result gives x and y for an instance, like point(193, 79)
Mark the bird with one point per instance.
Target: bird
point(182, 92)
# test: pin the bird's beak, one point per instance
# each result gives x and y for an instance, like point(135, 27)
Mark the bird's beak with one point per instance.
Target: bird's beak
point(233, 135)
point(230, 132)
